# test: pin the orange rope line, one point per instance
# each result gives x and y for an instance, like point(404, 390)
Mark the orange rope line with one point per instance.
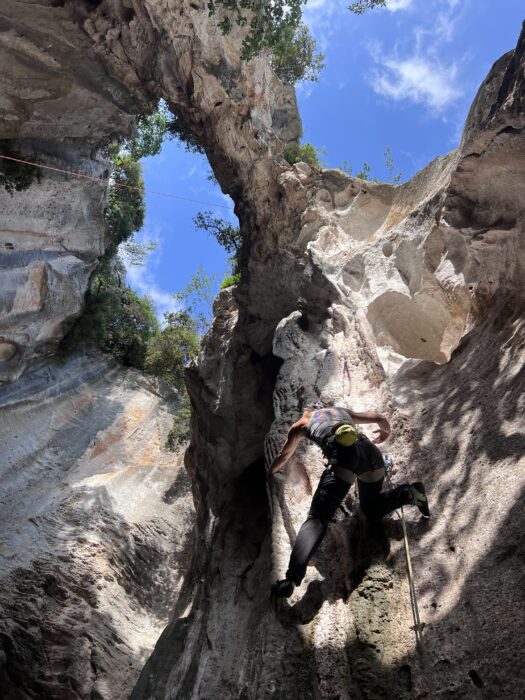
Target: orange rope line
point(115, 184)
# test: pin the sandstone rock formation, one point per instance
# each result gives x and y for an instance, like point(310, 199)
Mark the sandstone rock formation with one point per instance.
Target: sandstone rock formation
point(407, 299)
point(96, 521)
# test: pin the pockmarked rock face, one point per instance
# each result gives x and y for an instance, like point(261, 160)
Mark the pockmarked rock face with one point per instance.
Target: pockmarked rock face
point(96, 529)
point(407, 299)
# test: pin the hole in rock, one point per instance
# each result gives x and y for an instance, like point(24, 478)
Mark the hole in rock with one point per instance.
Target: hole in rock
point(128, 13)
point(405, 677)
point(303, 322)
point(475, 678)
point(388, 249)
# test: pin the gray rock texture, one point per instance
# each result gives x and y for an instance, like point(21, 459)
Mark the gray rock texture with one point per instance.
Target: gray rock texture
point(75, 74)
point(407, 299)
point(96, 529)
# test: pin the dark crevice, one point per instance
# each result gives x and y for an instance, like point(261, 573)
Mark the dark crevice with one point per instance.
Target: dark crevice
point(475, 678)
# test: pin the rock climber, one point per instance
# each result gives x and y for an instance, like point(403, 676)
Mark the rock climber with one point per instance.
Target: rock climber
point(350, 455)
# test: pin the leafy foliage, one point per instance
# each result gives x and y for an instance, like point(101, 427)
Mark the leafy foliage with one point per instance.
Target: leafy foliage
point(226, 235)
point(393, 177)
point(294, 56)
point(152, 129)
point(126, 209)
point(179, 433)
point(16, 177)
point(133, 253)
point(197, 299)
point(115, 319)
point(230, 281)
point(276, 26)
point(176, 127)
point(268, 23)
point(364, 174)
point(361, 6)
point(302, 153)
point(170, 350)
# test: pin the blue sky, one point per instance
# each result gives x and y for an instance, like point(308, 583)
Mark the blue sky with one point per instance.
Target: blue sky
point(402, 78)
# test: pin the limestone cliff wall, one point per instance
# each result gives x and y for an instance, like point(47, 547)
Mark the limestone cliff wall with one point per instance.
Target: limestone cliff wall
point(96, 528)
point(408, 299)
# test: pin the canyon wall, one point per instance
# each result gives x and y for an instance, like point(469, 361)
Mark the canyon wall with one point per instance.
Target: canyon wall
point(96, 528)
point(407, 299)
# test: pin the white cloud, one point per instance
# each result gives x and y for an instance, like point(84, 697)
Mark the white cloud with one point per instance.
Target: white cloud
point(142, 279)
point(417, 79)
point(321, 17)
point(420, 74)
point(394, 5)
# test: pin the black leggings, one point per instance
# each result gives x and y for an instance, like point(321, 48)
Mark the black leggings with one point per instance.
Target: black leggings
point(327, 498)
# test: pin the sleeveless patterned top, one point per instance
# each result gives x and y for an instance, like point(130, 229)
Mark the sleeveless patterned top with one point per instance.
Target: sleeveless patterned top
point(323, 420)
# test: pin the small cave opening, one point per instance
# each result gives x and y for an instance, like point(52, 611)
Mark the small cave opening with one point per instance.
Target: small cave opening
point(476, 678)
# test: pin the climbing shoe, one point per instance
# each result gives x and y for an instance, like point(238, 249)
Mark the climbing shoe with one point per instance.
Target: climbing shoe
point(419, 498)
point(282, 589)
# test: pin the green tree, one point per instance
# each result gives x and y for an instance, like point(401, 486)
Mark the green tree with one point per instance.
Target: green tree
point(226, 235)
point(126, 208)
point(197, 299)
point(133, 253)
point(302, 153)
point(229, 237)
point(130, 328)
point(115, 319)
point(269, 23)
point(173, 348)
point(294, 56)
point(393, 177)
point(177, 127)
point(361, 6)
point(364, 173)
point(151, 131)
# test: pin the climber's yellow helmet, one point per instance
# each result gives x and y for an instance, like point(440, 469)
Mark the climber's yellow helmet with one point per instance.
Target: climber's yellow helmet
point(346, 435)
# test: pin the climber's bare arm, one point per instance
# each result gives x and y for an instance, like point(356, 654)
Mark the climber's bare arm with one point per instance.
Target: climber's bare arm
point(296, 433)
point(373, 417)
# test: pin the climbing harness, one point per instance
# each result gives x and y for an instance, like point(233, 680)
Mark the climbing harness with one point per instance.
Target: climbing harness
point(107, 181)
point(418, 626)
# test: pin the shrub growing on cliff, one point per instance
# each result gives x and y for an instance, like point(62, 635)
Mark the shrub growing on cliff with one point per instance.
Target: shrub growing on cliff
point(16, 177)
point(115, 319)
point(270, 24)
point(302, 153)
point(227, 236)
point(173, 348)
point(294, 56)
point(126, 208)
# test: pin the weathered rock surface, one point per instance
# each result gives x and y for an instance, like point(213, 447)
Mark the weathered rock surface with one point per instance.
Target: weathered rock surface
point(96, 521)
point(407, 299)
point(75, 73)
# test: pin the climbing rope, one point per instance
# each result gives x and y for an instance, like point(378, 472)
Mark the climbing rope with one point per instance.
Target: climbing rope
point(105, 181)
point(418, 626)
